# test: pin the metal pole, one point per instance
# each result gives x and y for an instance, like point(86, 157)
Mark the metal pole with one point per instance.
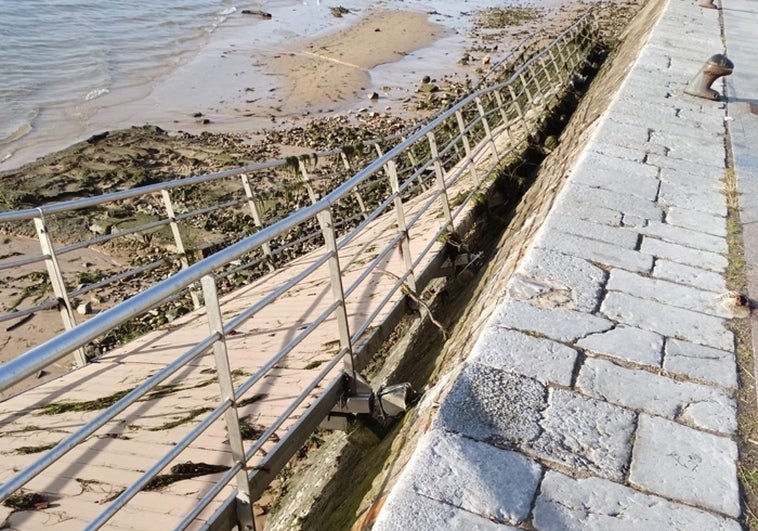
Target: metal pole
point(440, 173)
point(56, 279)
point(169, 206)
point(520, 111)
point(307, 181)
point(466, 145)
point(231, 418)
point(335, 272)
point(255, 212)
point(356, 194)
point(402, 226)
point(486, 125)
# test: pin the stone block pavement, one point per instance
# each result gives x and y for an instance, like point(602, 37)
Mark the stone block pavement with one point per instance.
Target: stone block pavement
point(601, 394)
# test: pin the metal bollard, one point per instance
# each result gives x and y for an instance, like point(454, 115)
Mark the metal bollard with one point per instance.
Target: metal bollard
point(707, 4)
point(715, 67)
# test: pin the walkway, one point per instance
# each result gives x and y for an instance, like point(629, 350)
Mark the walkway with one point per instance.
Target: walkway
point(601, 394)
point(77, 487)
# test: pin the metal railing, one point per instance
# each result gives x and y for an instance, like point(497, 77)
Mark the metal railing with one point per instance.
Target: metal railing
point(434, 174)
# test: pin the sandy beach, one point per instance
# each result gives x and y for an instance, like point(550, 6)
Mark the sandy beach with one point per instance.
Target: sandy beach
point(302, 61)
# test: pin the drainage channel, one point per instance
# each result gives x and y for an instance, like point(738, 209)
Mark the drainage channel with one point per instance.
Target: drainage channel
point(339, 479)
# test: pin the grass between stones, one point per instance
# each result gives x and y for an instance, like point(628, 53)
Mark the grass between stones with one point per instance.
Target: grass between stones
point(747, 405)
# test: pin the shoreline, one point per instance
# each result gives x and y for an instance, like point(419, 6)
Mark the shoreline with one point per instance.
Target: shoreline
point(63, 171)
point(241, 78)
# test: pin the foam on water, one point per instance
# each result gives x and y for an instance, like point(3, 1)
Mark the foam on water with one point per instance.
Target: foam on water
point(64, 53)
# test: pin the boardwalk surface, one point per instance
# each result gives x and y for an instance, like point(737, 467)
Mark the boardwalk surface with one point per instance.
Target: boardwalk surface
point(77, 487)
point(601, 394)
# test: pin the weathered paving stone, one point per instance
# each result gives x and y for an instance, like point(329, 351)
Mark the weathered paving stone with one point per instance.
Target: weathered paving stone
point(479, 478)
point(494, 406)
point(703, 363)
point(577, 196)
point(542, 359)
point(640, 180)
point(627, 343)
point(559, 324)
point(595, 504)
point(628, 150)
point(585, 434)
point(690, 275)
point(596, 251)
point(707, 181)
point(713, 172)
point(710, 202)
point(687, 237)
point(584, 280)
point(633, 222)
point(700, 150)
point(697, 221)
point(665, 292)
point(685, 464)
point(409, 511)
point(620, 236)
point(667, 320)
point(684, 255)
point(703, 406)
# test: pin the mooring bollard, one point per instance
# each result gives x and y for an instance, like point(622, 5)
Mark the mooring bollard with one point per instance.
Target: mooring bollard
point(707, 4)
point(715, 67)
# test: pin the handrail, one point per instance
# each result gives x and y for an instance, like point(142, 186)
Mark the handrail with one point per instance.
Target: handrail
point(456, 167)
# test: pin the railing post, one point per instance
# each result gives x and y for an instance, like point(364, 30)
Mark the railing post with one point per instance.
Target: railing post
point(466, 144)
point(402, 226)
point(307, 181)
point(548, 76)
point(558, 68)
point(504, 114)
point(326, 222)
point(524, 84)
point(231, 418)
point(486, 125)
point(439, 171)
point(169, 206)
point(520, 111)
point(356, 193)
point(255, 212)
point(56, 279)
point(415, 164)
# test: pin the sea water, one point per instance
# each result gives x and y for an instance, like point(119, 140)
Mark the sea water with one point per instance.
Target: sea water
point(73, 68)
point(61, 54)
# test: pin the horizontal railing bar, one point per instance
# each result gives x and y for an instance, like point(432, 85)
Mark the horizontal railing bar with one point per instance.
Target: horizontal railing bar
point(278, 292)
point(134, 489)
point(20, 262)
point(372, 265)
point(121, 276)
point(209, 209)
point(266, 435)
point(370, 319)
point(284, 351)
point(378, 211)
point(88, 429)
point(209, 496)
point(107, 237)
point(27, 311)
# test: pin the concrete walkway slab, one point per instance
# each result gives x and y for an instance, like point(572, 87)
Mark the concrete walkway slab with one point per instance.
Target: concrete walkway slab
point(621, 384)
